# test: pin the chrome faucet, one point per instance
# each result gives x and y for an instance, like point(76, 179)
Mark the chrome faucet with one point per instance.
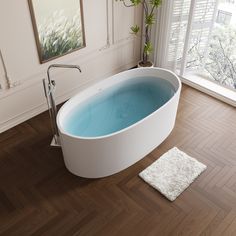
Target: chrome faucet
point(48, 90)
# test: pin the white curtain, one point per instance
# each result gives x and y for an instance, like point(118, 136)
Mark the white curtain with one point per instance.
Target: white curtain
point(181, 24)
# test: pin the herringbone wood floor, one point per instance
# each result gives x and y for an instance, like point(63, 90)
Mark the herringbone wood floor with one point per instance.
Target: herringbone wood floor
point(38, 196)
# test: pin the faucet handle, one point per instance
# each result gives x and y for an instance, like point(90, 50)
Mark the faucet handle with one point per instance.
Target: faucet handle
point(53, 82)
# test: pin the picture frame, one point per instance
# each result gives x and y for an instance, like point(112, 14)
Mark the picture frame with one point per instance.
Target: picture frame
point(58, 27)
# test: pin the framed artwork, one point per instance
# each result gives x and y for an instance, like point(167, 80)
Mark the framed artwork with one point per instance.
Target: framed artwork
point(58, 27)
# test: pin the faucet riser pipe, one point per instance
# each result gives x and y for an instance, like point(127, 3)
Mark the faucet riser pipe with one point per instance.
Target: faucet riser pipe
point(52, 111)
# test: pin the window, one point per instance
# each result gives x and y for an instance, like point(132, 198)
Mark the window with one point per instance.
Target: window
point(198, 40)
point(223, 17)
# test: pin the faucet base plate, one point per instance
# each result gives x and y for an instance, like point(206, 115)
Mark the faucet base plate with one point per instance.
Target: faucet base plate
point(55, 142)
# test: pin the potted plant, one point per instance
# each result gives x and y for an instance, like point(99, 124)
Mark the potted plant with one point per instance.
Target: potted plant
point(149, 6)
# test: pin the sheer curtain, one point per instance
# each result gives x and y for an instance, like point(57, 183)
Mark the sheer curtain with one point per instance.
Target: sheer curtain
point(182, 27)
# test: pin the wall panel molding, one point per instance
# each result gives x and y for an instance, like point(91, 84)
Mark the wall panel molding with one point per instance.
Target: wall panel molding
point(13, 115)
point(121, 25)
point(27, 99)
point(39, 108)
point(108, 40)
point(37, 77)
point(8, 83)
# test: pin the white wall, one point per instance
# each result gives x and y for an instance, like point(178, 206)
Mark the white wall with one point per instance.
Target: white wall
point(97, 60)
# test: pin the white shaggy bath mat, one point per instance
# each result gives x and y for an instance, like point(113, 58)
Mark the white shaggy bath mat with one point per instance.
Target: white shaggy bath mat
point(172, 173)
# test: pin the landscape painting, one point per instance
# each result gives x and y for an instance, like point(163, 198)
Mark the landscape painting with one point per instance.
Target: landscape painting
point(58, 27)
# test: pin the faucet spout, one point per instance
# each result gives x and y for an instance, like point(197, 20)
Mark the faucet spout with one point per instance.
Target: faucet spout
point(61, 66)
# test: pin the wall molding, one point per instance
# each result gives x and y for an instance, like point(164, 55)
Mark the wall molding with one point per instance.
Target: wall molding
point(111, 27)
point(37, 77)
point(8, 81)
point(96, 64)
point(28, 114)
point(113, 22)
point(108, 43)
point(34, 78)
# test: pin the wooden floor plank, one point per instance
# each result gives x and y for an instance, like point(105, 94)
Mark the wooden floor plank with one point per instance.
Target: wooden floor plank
point(38, 196)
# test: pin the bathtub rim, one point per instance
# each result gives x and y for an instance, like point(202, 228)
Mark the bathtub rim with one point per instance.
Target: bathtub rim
point(63, 131)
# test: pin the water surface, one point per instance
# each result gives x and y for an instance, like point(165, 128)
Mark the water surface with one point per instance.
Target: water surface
point(119, 107)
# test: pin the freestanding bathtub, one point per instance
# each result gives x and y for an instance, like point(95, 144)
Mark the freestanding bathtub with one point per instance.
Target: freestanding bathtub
point(118, 121)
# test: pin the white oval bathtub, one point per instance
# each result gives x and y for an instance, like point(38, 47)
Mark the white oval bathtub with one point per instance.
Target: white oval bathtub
point(92, 149)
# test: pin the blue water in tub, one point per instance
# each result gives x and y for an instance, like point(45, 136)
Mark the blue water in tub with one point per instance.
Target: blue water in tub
point(118, 107)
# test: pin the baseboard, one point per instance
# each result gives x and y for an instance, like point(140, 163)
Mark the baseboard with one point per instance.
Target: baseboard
point(209, 92)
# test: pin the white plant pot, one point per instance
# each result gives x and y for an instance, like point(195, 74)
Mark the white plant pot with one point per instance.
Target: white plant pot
point(140, 66)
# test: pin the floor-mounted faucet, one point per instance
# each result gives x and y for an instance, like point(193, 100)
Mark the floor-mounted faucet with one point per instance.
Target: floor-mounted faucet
point(49, 87)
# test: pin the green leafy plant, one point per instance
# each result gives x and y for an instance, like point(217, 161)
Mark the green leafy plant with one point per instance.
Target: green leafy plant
point(149, 6)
